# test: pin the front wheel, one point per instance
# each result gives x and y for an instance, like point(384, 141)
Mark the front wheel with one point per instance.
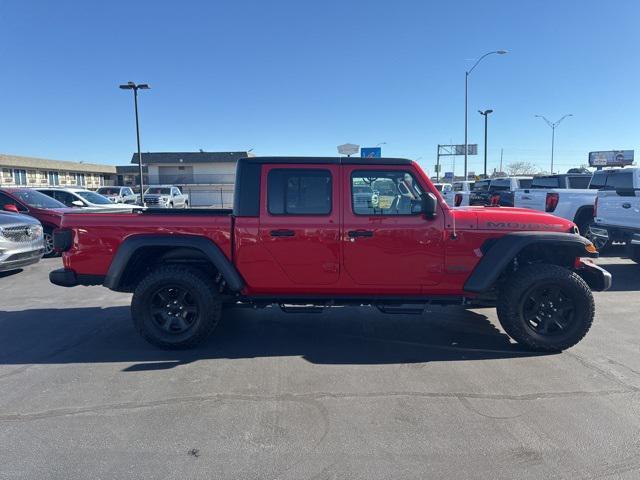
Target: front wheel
point(48, 244)
point(546, 307)
point(175, 307)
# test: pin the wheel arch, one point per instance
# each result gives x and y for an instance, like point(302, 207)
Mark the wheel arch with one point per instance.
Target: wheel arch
point(498, 254)
point(583, 213)
point(139, 252)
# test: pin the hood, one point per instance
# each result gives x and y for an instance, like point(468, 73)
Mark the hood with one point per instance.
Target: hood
point(9, 218)
point(510, 219)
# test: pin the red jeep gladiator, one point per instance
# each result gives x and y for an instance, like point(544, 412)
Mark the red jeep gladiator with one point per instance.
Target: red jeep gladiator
point(308, 233)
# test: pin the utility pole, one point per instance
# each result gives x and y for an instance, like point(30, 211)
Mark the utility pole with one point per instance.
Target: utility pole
point(553, 126)
point(486, 116)
point(135, 88)
point(501, 152)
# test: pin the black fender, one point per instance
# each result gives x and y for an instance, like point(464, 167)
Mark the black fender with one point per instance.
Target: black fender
point(131, 245)
point(498, 253)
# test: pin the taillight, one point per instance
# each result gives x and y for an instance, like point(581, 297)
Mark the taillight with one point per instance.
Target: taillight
point(551, 202)
point(457, 200)
point(595, 208)
point(495, 200)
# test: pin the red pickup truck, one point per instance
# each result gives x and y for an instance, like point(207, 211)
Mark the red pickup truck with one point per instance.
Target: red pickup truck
point(311, 233)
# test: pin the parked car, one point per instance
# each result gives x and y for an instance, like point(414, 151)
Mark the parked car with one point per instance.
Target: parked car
point(119, 194)
point(43, 208)
point(165, 196)
point(459, 194)
point(443, 187)
point(297, 239)
point(499, 192)
point(21, 241)
point(564, 195)
point(82, 198)
point(617, 212)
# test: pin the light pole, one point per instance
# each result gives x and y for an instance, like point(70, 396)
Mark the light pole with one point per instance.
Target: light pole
point(135, 88)
point(486, 116)
point(466, 82)
point(553, 126)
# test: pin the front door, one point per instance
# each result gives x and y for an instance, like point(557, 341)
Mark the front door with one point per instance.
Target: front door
point(300, 224)
point(387, 243)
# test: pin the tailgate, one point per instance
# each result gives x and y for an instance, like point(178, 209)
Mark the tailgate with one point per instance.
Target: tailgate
point(534, 199)
point(617, 210)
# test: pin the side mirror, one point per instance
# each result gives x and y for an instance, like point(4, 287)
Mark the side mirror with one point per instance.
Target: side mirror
point(429, 205)
point(10, 207)
point(77, 203)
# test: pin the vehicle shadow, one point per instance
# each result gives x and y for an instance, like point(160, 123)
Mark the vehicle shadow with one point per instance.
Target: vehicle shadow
point(10, 273)
point(625, 276)
point(339, 336)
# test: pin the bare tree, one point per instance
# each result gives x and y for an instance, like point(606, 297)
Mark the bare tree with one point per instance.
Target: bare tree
point(521, 168)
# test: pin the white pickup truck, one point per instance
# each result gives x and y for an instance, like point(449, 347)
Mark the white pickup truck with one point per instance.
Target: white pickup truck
point(458, 195)
point(617, 213)
point(564, 195)
point(165, 196)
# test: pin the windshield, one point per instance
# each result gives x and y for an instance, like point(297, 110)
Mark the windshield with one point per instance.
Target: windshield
point(36, 199)
point(158, 191)
point(108, 191)
point(94, 198)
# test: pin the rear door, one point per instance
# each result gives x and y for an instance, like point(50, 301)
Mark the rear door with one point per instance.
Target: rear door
point(300, 224)
point(387, 248)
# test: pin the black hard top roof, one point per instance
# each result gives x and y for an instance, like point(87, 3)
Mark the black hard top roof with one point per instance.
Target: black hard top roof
point(328, 160)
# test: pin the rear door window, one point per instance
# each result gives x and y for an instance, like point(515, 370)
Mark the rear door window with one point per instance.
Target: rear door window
point(299, 192)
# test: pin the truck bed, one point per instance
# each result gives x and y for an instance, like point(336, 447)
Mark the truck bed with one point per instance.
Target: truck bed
point(98, 235)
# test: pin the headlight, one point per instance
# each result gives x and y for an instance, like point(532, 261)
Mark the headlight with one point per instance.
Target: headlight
point(164, 199)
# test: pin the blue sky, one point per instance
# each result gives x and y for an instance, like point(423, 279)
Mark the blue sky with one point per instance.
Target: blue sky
point(300, 77)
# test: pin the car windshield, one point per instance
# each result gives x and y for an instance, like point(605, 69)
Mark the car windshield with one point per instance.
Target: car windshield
point(94, 198)
point(158, 191)
point(108, 191)
point(35, 199)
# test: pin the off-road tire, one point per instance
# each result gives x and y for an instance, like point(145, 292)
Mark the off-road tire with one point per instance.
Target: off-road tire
point(512, 298)
point(201, 289)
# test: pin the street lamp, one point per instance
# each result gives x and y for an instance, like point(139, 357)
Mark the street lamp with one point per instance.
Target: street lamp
point(135, 88)
point(553, 126)
point(466, 81)
point(486, 116)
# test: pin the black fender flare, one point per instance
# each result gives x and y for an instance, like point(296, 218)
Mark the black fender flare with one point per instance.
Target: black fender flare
point(498, 253)
point(132, 244)
point(580, 212)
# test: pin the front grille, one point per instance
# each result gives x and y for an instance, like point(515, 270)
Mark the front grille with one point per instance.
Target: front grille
point(22, 233)
point(152, 200)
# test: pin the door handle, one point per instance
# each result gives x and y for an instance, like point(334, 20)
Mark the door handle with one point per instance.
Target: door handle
point(359, 233)
point(282, 233)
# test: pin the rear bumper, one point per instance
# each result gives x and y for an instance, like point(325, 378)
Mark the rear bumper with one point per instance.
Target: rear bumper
point(68, 278)
point(596, 277)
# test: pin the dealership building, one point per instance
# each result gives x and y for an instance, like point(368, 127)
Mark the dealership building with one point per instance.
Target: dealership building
point(18, 171)
point(207, 177)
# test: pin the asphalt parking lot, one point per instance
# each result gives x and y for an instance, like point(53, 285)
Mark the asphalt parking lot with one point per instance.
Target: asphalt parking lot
point(351, 393)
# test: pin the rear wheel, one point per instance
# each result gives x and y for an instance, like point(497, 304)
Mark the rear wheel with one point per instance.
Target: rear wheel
point(175, 307)
point(599, 242)
point(546, 307)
